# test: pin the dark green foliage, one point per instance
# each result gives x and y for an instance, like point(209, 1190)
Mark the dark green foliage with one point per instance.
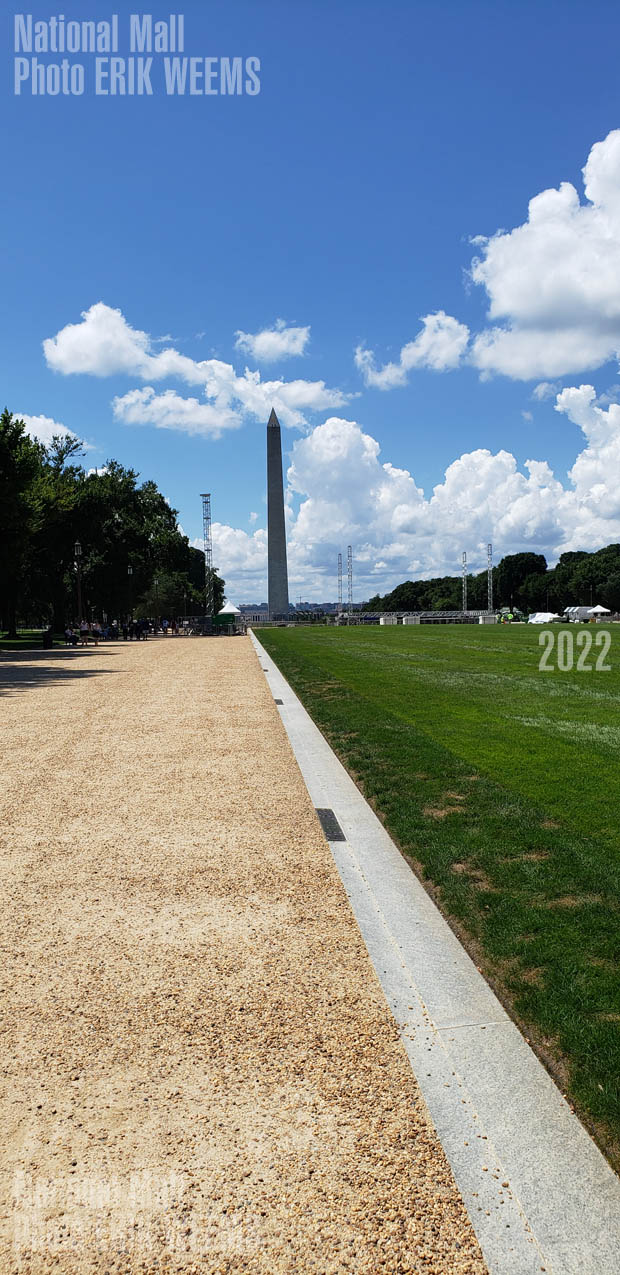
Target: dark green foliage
point(20, 512)
point(502, 785)
point(48, 502)
point(512, 573)
point(522, 581)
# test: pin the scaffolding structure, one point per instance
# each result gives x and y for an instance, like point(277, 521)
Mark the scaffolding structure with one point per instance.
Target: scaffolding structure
point(208, 544)
point(464, 583)
point(350, 578)
point(339, 583)
point(489, 578)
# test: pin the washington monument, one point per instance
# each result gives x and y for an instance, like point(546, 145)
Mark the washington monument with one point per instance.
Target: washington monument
point(276, 533)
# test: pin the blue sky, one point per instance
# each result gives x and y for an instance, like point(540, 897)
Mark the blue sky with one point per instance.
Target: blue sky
point(342, 199)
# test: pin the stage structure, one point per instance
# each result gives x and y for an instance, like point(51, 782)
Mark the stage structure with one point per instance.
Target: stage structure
point(490, 578)
point(350, 577)
point(464, 583)
point(208, 544)
point(339, 584)
point(277, 571)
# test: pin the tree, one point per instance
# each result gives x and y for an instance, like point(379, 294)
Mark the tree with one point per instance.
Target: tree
point(47, 502)
point(521, 580)
point(197, 576)
point(49, 589)
point(403, 598)
point(20, 463)
point(512, 573)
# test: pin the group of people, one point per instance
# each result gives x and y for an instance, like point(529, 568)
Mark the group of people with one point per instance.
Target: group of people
point(81, 633)
point(130, 629)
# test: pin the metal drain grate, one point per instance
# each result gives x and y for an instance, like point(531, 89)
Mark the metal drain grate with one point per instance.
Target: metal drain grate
point(330, 825)
point(278, 701)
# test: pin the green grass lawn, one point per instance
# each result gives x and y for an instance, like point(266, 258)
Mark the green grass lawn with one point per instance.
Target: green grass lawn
point(501, 783)
point(27, 640)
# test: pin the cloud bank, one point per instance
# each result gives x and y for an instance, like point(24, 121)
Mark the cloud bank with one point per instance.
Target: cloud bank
point(340, 492)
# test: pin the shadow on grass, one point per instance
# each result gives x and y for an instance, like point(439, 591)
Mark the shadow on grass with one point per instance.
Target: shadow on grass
point(27, 670)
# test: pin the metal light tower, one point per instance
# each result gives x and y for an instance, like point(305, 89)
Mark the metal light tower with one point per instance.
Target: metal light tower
point(350, 577)
point(208, 544)
point(78, 564)
point(489, 578)
point(464, 583)
point(339, 584)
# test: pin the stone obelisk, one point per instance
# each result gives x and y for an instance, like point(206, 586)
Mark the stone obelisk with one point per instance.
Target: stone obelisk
point(276, 533)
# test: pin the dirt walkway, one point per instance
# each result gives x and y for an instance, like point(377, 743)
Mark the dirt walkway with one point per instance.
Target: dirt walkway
point(200, 1070)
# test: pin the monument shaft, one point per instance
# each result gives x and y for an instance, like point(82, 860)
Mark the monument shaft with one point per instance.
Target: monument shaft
point(276, 532)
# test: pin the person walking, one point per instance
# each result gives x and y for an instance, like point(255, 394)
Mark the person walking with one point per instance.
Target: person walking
point(83, 632)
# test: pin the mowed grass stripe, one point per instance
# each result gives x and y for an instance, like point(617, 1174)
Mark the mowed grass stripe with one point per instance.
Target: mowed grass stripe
point(506, 812)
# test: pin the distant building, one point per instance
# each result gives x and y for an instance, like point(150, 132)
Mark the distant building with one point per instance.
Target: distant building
point(254, 612)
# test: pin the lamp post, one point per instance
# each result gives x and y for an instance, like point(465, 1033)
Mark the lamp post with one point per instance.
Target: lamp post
point(78, 563)
point(129, 574)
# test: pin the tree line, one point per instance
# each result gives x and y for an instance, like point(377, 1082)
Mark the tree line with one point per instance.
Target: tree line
point(521, 581)
point(133, 559)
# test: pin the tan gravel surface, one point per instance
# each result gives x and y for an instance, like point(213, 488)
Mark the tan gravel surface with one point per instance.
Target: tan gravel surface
point(200, 1070)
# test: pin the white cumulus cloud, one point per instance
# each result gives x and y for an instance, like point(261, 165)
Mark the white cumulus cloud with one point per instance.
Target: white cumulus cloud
point(248, 393)
point(44, 428)
point(241, 558)
point(170, 410)
point(595, 474)
point(271, 344)
point(104, 344)
point(553, 283)
point(440, 346)
point(340, 492)
point(553, 290)
point(544, 390)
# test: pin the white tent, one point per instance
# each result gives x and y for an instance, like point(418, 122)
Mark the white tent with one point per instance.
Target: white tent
point(229, 608)
point(585, 613)
point(578, 614)
point(543, 617)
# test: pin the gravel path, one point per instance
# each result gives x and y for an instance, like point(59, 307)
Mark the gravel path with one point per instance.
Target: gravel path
point(200, 1070)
